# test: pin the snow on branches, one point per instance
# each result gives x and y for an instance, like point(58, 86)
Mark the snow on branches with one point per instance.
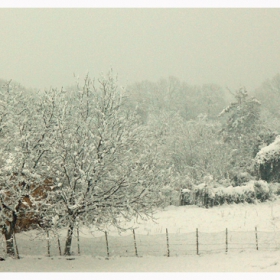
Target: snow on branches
point(94, 151)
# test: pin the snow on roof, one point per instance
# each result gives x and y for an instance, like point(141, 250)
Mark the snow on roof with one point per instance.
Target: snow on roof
point(269, 152)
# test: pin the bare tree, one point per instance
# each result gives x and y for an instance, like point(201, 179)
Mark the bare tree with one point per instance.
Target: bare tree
point(105, 168)
point(25, 142)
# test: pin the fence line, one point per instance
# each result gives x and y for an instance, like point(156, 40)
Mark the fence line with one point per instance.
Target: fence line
point(167, 244)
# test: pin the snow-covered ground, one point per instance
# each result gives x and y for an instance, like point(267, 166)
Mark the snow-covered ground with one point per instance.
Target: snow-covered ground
point(232, 262)
point(180, 221)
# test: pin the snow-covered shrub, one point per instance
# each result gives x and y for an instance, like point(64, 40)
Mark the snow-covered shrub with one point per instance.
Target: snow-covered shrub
point(171, 196)
point(274, 190)
point(202, 194)
point(215, 194)
point(267, 162)
point(186, 197)
point(262, 190)
point(239, 178)
point(270, 152)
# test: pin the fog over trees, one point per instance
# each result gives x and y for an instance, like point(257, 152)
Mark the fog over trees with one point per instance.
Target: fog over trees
point(96, 154)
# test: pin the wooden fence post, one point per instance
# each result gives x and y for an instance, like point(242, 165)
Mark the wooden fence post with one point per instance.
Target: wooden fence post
point(135, 245)
point(107, 244)
point(48, 244)
point(226, 240)
point(59, 247)
point(197, 244)
point(167, 243)
point(15, 242)
point(256, 234)
point(78, 240)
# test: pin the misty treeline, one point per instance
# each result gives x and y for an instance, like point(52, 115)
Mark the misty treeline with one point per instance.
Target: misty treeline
point(98, 154)
point(214, 138)
point(208, 130)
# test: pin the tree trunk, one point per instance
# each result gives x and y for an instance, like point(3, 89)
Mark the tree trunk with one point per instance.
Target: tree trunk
point(8, 232)
point(9, 243)
point(67, 251)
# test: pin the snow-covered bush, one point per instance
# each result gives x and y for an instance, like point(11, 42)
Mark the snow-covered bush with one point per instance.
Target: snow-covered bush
point(240, 178)
point(186, 197)
point(274, 189)
point(269, 153)
point(267, 161)
point(262, 190)
point(216, 194)
point(170, 195)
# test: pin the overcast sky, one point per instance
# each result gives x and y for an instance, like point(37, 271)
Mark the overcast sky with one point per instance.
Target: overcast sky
point(230, 47)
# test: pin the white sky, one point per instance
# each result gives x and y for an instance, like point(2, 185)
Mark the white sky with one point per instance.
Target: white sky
point(231, 47)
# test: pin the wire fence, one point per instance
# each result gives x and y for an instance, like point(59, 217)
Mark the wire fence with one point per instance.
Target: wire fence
point(167, 244)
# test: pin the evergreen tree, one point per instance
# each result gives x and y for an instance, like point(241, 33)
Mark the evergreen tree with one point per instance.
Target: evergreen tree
point(243, 131)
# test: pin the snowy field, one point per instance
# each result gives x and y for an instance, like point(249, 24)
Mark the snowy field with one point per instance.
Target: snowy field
point(232, 262)
point(179, 221)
